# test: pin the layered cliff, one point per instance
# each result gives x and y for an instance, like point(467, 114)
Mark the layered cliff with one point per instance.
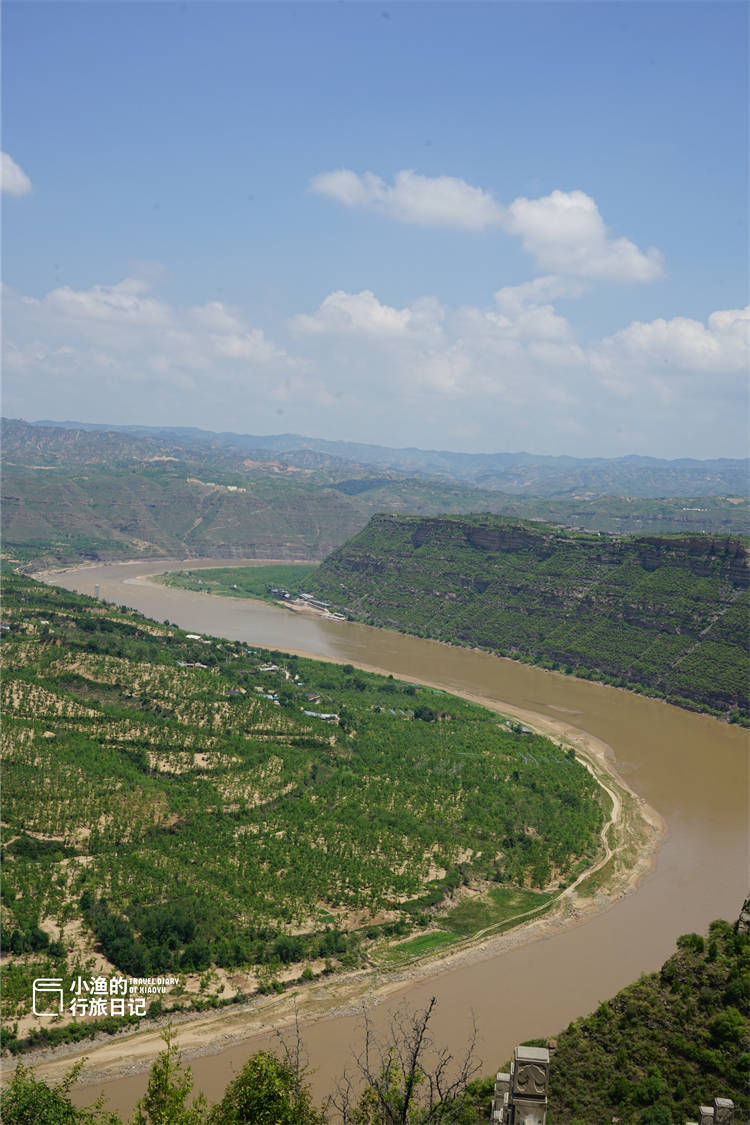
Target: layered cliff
point(662, 615)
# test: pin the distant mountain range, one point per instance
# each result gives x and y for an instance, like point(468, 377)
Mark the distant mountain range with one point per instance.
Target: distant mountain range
point(515, 473)
point(73, 491)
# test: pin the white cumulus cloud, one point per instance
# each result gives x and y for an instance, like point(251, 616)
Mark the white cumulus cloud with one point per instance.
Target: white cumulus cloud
point(214, 316)
point(524, 323)
point(354, 314)
point(250, 344)
point(438, 201)
point(13, 179)
point(548, 288)
point(566, 233)
point(721, 346)
point(120, 304)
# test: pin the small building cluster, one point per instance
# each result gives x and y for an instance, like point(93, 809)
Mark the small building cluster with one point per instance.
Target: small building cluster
point(310, 599)
point(305, 600)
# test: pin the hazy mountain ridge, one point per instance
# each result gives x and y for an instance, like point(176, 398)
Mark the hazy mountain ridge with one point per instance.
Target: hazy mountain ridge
point(510, 472)
point(93, 492)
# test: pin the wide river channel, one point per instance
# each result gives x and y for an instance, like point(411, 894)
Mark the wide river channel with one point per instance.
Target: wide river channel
point(691, 768)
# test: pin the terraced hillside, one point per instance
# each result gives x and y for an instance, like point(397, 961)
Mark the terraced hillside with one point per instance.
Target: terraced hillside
point(667, 616)
point(174, 803)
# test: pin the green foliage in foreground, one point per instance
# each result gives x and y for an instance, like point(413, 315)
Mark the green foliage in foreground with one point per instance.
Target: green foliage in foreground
point(193, 802)
point(169, 1087)
point(666, 616)
point(650, 1056)
point(267, 1091)
point(407, 1082)
point(28, 1101)
point(664, 1045)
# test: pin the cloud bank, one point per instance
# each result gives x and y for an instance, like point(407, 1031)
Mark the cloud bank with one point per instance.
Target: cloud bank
point(563, 231)
point(510, 374)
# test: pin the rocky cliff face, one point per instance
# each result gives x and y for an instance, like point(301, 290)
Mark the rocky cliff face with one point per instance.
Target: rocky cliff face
point(505, 537)
point(700, 553)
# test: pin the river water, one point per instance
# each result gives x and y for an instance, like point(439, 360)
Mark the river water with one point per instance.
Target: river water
point(690, 768)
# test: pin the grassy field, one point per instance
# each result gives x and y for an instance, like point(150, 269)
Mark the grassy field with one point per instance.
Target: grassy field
point(405, 951)
point(493, 912)
point(500, 909)
point(242, 581)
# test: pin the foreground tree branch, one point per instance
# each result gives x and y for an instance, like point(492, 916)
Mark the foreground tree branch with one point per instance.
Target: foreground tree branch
point(405, 1079)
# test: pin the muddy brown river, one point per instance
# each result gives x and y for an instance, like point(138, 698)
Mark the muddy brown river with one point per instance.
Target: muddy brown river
point(691, 768)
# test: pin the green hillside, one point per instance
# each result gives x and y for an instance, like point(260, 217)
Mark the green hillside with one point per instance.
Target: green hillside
point(64, 515)
point(664, 615)
point(665, 1045)
point(180, 804)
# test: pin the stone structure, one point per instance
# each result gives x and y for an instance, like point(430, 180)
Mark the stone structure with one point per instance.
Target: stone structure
point(720, 1113)
point(521, 1096)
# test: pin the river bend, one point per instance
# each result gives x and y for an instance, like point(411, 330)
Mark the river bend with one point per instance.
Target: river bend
point(691, 768)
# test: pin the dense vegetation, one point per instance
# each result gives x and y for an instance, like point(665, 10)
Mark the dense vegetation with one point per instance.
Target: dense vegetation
point(665, 616)
point(69, 493)
point(188, 803)
point(664, 1045)
point(650, 1056)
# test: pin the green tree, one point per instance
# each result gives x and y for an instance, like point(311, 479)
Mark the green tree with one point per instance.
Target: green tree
point(656, 1115)
point(169, 1086)
point(267, 1091)
point(27, 1101)
point(728, 1027)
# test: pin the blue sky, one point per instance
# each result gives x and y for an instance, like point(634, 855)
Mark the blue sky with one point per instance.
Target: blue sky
point(481, 226)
